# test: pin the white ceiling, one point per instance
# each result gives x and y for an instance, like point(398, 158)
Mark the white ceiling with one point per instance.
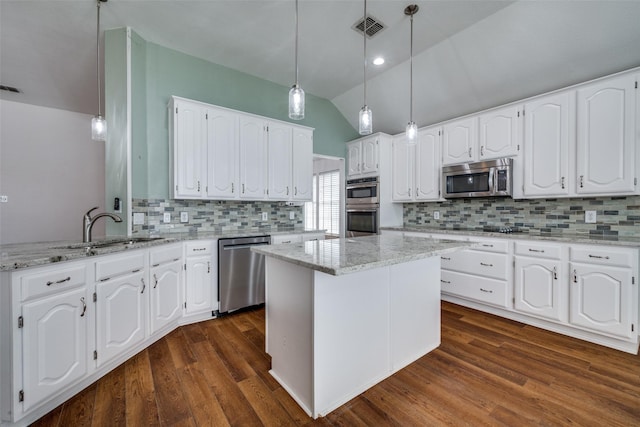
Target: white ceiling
point(468, 55)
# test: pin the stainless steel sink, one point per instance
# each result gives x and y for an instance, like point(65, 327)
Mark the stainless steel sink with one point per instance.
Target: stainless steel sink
point(108, 243)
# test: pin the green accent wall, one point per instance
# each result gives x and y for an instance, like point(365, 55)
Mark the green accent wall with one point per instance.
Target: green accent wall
point(168, 72)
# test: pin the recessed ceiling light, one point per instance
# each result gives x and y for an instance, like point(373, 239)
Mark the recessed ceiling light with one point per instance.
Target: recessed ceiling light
point(378, 60)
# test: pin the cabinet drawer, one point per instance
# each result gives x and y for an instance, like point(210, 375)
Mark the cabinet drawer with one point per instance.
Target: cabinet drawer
point(197, 248)
point(539, 250)
point(121, 264)
point(500, 246)
point(481, 289)
point(285, 239)
point(604, 255)
point(470, 261)
point(48, 280)
point(165, 254)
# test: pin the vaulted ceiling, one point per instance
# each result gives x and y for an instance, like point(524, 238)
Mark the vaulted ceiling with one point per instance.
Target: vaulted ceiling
point(468, 55)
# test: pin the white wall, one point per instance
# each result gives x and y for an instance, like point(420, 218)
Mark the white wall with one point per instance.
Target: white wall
point(51, 171)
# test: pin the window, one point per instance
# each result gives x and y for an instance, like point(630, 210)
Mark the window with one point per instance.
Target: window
point(323, 212)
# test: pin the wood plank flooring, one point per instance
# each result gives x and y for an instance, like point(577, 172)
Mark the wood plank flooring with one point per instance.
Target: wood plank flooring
point(488, 371)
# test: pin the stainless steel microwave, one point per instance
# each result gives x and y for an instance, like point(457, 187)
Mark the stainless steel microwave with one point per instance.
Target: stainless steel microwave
point(482, 179)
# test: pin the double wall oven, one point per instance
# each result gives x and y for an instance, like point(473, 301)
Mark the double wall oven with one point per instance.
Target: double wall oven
point(363, 207)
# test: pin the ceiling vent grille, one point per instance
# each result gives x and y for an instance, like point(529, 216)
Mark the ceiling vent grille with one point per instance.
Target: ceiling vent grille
point(373, 26)
point(10, 89)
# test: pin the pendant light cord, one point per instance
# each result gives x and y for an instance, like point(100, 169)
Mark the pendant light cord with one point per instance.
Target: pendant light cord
point(411, 73)
point(296, 55)
point(98, 59)
point(364, 65)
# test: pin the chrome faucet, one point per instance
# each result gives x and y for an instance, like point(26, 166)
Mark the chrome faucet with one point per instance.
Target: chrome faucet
point(89, 221)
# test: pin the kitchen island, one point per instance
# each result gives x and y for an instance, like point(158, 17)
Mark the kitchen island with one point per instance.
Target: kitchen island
point(344, 314)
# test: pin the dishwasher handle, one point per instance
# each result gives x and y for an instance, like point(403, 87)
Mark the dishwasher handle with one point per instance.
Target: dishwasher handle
point(243, 246)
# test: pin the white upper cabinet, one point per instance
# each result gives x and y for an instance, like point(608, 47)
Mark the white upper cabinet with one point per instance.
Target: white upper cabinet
point(416, 167)
point(189, 153)
point(606, 136)
point(222, 153)
point(253, 167)
point(219, 153)
point(279, 160)
point(459, 141)
point(302, 174)
point(363, 157)
point(500, 133)
point(549, 141)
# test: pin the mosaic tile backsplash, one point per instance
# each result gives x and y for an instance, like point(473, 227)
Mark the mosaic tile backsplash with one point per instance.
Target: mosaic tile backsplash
point(616, 216)
point(216, 215)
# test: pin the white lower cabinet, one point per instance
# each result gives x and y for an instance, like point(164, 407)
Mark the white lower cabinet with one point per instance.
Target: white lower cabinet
point(165, 286)
point(540, 282)
point(201, 291)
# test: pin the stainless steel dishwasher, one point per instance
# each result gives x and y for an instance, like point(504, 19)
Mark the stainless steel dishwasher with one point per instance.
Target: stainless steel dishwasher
point(240, 273)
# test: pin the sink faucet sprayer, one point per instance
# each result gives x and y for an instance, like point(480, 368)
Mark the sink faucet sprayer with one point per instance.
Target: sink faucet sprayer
point(89, 221)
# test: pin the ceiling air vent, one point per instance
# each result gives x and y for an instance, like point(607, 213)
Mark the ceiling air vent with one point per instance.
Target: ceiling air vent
point(373, 26)
point(10, 89)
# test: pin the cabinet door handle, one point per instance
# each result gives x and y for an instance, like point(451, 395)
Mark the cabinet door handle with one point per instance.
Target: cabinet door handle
point(232, 188)
point(581, 181)
point(208, 266)
point(486, 290)
point(486, 265)
point(143, 285)
point(287, 190)
point(482, 150)
point(445, 281)
point(155, 281)
point(598, 256)
point(84, 307)
point(575, 276)
point(243, 188)
point(555, 273)
point(469, 152)
point(536, 250)
point(445, 258)
point(562, 182)
point(295, 190)
point(57, 282)
point(409, 192)
point(198, 185)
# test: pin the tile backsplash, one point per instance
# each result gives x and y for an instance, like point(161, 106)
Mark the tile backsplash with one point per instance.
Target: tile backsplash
point(616, 216)
point(216, 215)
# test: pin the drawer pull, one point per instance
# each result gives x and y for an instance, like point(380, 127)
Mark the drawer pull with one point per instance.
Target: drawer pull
point(57, 282)
point(143, 285)
point(486, 265)
point(598, 256)
point(199, 249)
point(536, 250)
point(487, 245)
point(445, 258)
point(486, 290)
point(155, 265)
point(84, 307)
point(155, 278)
point(176, 259)
point(445, 281)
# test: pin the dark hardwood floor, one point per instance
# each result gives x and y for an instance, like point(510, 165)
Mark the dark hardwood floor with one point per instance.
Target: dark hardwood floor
point(488, 371)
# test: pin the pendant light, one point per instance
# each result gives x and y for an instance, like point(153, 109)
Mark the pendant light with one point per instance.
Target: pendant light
point(365, 120)
point(296, 94)
point(98, 123)
point(412, 129)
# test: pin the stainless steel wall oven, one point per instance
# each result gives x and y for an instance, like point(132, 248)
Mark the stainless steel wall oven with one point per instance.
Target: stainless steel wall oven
point(362, 207)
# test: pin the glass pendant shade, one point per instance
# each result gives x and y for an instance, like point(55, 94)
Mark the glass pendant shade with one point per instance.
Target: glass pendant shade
point(412, 132)
point(296, 103)
point(365, 122)
point(98, 128)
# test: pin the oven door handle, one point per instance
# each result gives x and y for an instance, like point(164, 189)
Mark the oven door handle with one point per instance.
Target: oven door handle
point(362, 185)
point(362, 210)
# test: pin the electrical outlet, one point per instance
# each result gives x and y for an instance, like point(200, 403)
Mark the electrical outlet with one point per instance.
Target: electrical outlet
point(138, 218)
point(590, 217)
point(166, 218)
point(264, 216)
point(436, 214)
point(4, 199)
point(184, 217)
point(292, 215)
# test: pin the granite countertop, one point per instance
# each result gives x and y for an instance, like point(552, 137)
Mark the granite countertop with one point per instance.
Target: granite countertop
point(626, 241)
point(24, 255)
point(343, 256)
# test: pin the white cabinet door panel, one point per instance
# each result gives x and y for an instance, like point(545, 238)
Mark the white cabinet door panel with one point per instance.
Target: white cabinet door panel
point(427, 165)
point(279, 158)
point(190, 150)
point(302, 164)
point(402, 170)
point(538, 288)
point(198, 284)
point(222, 153)
point(253, 158)
point(459, 141)
point(500, 133)
point(166, 293)
point(369, 152)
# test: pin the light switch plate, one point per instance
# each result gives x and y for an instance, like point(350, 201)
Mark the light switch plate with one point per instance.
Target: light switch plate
point(292, 215)
point(590, 217)
point(264, 216)
point(436, 214)
point(184, 217)
point(166, 217)
point(138, 218)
